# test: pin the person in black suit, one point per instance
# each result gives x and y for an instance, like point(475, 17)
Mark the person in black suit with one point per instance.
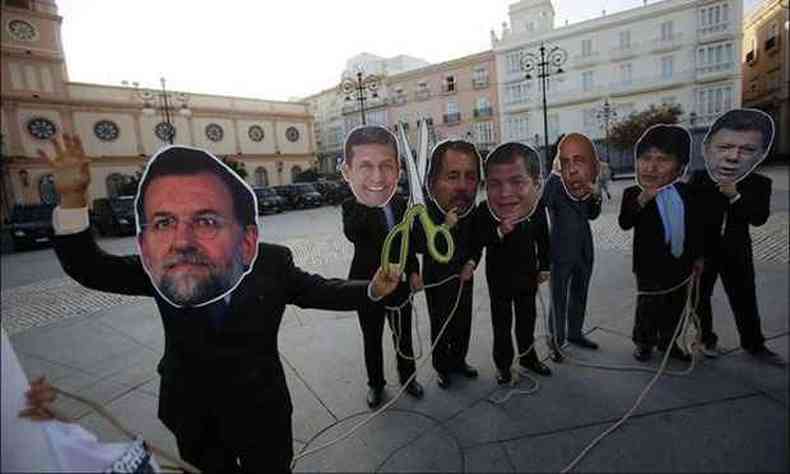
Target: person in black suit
point(222, 381)
point(366, 227)
point(572, 201)
point(733, 199)
point(452, 182)
point(667, 246)
point(517, 254)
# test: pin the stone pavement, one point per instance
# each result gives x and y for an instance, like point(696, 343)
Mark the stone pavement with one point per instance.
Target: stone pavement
point(729, 414)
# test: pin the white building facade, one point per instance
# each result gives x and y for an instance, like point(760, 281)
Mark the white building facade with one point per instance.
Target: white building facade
point(685, 52)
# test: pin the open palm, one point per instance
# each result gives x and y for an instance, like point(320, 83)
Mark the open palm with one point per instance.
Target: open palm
point(71, 166)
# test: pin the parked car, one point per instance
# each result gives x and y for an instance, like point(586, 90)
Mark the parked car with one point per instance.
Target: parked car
point(114, 216)
point(331, 191)
point(300, 195)
point(341, 193)
point(31, 225)
point(269, 202)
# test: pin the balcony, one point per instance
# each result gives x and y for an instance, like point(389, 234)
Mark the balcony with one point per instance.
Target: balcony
point(771, 43)
point(751, 57)
point(448, 89)
point(661, 45)
point(398, 99)
point(452, 119)
point(715, 71)
point(644, 84)
point(480, 83)
point(582, 60)
point(715, 32)
point(423, 94)
point(624, 52)
point(483, 112)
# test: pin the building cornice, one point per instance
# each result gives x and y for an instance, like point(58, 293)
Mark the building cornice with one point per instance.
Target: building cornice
point(24, 12)
point(444, 66)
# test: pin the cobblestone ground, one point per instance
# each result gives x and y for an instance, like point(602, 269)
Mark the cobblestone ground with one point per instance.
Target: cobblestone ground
point(45, 302)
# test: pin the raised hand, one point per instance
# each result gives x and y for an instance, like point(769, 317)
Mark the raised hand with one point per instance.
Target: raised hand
point(39, 400)
point(728, 189)
point(451, 218)
point(507, 225)
point(71, 170)
point(385, 281)
point(646, 196)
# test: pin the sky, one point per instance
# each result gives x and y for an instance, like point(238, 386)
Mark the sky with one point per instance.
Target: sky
point(277, 50)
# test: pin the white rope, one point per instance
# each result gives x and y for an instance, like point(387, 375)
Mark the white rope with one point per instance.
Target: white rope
point(403, 386)
point(689, 312)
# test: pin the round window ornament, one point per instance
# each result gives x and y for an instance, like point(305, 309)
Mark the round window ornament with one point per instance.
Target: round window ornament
point(165, 131)
point(255, 133)
point(292, 134)
point(41, 128)
point(106, 130)
point(21, 30)
point(214, 132)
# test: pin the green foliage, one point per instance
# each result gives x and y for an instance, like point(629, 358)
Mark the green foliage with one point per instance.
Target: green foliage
point(236, 166)
point(624, 133)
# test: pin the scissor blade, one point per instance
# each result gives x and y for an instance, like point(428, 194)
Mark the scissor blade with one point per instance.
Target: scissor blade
point(422, 152)
point(415, 183)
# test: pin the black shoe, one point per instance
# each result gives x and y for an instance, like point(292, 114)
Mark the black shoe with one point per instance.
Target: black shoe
point(677, 353)
point(555, 354)
point(443, 379)
point(414, 389)
point(536, 366)
point(503, 377)
point(766, 355)
point(642, 353)
point(583, 342)
point(374, 396)
point(467, 371)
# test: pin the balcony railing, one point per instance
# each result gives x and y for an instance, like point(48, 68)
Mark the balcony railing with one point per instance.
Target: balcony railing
point(423, 94)
point(452, 119)
point(711, 29)
point(480, 83)
point(483, 112)
point(715, 69)
point(669, 43)
point(583, 60)
point(624, 52)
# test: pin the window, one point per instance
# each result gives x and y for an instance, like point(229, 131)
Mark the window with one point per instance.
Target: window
point(626, 71)
point(484, 132)
point(667, 28)
point(587, 47)
point(715, 57)
point(667, 67)
point(751, 54)
point(452, 107)
point(261, 176)
point(587, 80)
point(449, 84)
point(713, 18)
point(554, 127)
point(771, 40)
point(712, 101)
point(589, 119)
point(625, 39)
point(513, 62)
point(480, 77)
point(295, 171)
point(516, 128)
point(516, 93)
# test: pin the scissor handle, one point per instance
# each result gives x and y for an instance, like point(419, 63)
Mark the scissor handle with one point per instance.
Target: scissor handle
point(403, 228)
point(432, 231)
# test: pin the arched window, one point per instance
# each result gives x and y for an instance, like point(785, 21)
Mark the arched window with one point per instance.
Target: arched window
point(115, 182)
point(295, 171)
point(261, 176)
point(46, 189)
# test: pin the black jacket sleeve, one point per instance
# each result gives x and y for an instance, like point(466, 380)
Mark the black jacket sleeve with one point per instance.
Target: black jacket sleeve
point(308, 290)
point(629, 208)
point(542, 239)
point(754, 205)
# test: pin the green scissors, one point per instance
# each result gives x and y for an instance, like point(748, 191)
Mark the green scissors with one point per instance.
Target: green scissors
point(417, 209)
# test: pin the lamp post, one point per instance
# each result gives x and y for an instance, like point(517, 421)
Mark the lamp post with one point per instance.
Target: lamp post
point(605, 114)
point(163, 101)
point(357, 89)
point(544, 63)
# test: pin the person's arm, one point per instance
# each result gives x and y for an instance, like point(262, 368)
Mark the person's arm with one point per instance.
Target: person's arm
point(593, 205)
point(753, 204)
point(542, 240)
point(629, 208)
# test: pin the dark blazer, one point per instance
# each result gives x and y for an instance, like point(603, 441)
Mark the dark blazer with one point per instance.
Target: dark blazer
point(366, 228)
point(226, 369)
point(571, 236)
point(462, 233)
point(512, 262)
point(752, 208)
point(653, 263)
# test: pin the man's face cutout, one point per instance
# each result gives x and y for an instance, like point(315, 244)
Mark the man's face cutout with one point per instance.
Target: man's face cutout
point(579, 166)
point(371, 165)
point(736, 143)
point(514, 181)
point(193, 245)
point(661, 156)
point(454, 176)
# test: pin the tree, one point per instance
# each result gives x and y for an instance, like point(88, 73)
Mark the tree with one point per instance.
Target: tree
point(624, 133)
point(237, 166)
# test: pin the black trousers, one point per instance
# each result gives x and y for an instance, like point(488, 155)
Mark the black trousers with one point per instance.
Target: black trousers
point(371, 322)
point(502, 321)
point(450, 352)
point(657, 317)
point(736, 269)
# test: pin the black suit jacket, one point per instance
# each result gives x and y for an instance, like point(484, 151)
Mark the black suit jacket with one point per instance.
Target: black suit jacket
point(571, 236)
point(462, 234)
point(752, 208)
point(222, 358)
point(513, 261)
point(366, 228)
point(655, 266)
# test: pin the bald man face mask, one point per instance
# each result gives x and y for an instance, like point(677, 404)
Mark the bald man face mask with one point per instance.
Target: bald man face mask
point(578, 165)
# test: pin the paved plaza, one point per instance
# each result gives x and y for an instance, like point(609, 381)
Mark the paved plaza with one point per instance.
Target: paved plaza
point(729, 414)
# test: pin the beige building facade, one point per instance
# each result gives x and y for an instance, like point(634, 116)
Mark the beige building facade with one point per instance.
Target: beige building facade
point(121, 127)
point(766, 67)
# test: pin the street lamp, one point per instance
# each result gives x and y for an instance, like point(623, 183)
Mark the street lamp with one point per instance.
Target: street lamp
point(605, 114)
point(544, 63)
point(163, 101)
point(358, 89)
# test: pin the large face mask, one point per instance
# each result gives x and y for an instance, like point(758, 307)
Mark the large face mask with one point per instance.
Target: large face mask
point(454, 176)
point(194, 245)
point(661, 156)
point(736, 143)
point(371, 164)
point(578, 165)
point(514, 181)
